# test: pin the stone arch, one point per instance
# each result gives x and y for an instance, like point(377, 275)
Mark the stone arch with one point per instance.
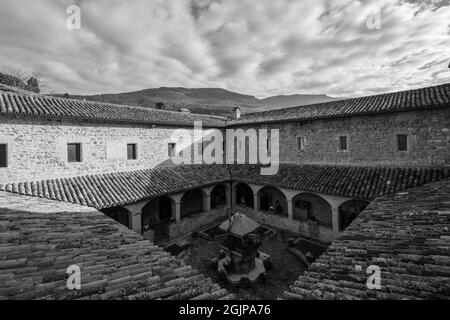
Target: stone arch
point(273, 200)
point(157, 210)
point(349, 211)
point(119, 214)
point(244, 195)
point(192, 202)
point(219, 196)
point(312, 207)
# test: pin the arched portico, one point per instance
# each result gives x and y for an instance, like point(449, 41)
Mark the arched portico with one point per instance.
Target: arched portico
point(157, 215)
point(243, 195)
point(349, 211)
point(157, 210)
point(119, 214)
point(273, 200)
point(219, 196)
point(312, 207)
point(192, 202)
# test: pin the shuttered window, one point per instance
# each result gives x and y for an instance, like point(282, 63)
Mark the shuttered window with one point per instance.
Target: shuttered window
point(74, 152)
point(402, 142)
point(343, 143)
point(3, 155)
point(131, 151)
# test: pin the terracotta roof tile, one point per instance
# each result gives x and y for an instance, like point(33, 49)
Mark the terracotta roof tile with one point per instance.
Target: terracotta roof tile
point(115, 189)
point(405, 234)
point(34, 105)
point(365, 183)
point(423, 98)
point(40, 239)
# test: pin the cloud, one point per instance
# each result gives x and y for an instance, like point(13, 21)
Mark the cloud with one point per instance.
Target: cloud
point(258, 47)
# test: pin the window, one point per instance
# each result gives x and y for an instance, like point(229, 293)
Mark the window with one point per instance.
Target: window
point(269, 146)
point(343, 143)
point(131, 151)
point(171, 149)
point(3, 155)
point(74, 152)
point(301, 142)
point(402, 142)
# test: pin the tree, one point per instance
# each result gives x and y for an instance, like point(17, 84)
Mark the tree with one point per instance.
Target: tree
point(160, 106)
point(12, 80)
point(33, 85)
point(18, 78)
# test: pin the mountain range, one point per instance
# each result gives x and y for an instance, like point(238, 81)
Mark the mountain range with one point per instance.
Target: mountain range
point(213, 101)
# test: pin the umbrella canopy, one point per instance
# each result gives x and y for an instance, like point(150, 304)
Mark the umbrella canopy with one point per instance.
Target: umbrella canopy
point(241, 225)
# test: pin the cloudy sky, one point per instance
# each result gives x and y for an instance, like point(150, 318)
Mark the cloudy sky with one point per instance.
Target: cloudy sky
point(258, 47)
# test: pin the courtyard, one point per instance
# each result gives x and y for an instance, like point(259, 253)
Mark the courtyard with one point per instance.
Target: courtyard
point(284, 269)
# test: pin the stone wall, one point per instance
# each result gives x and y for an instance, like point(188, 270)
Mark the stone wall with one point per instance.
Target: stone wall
point(371, 139)
point(37, 149)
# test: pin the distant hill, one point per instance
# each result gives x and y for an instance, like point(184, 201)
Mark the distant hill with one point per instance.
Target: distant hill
point(295, 100)
point(213, 101)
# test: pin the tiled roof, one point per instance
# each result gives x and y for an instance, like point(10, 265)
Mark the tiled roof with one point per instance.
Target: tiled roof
point(114, 189)
point(40, 239)
point(431, 97)
point(7, 88)
point(357, 182)
point(407, 235)
point(35, 105)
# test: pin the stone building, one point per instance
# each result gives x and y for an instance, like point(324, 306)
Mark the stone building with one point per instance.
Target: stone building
point(335, 159)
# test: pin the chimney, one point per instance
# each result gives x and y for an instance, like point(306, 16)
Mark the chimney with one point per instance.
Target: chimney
point(236, 112)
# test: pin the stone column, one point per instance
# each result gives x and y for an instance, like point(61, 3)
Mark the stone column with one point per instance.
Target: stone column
point(177, 211)
point(335, 217)
point(228, 194)
point(290, 209)
point(206, 201)
point(234, 194)
point(255, 201)
point(176, 206)
point(290, 195)
point(134, 220)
